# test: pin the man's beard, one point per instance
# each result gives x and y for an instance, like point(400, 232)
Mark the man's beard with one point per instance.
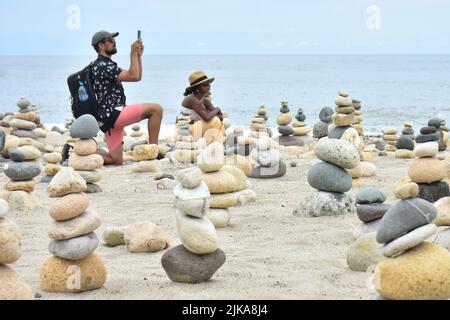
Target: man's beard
point(111, 52)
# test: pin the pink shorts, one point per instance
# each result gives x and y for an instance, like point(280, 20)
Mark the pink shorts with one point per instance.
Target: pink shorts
point(129, 115)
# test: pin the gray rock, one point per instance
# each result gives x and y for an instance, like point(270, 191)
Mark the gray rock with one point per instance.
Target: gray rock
point(93, 188)
point(329, 177)
point(2, 140)
point(184, 266)
point(21, 171)
point(276, 171)
point(382, 153)
point(369, 195)
point(403, 217)
point(405, 142)
point(408, 131)
point(421, 138)
point(365, 252)
point(84, 127)
point(285, 130)
point(326, 114)
point(4, 124)
point(326, 204)
point(365, 228)
point(136, 127)
point(443, 239)
point(337, 132)
point(300, 117)
point(16, 155)
point(435, 122)
point(23, 103)
point(75, 248)
point(46, 179)
point(24, 134)
point(427, 130)
point(434, 191)
point(56, 129)
point(370, 212)
point(380, 144)
point(320, 130)
point(291, 141)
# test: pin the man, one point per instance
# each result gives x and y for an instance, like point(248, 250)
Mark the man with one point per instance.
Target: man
point(107, 78)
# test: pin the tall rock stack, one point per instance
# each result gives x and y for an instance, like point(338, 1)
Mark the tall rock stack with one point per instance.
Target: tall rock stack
point(136, 131)
point(301, 128)
point(408, 130)
point(84, 158)
point(199, 256)
point(331, 180)
point(74, 266)
point(258, 127)
point(443, 137)
point(270, 164)
point(145, 156)
point(22, 169)
point(52, 166)
point(427, 171)
point(390, 135)
point(320, 129)
point(25, 120)
point(358, 119)
point(370, 208)
point(287, 132)
point(12, 287)
point(413, 268)
point(185, 146)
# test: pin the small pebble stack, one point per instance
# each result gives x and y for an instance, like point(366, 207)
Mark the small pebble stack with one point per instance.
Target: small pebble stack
point(84, 158)
point(287, 132)
point(270, 164)
point(52, 167)
point(185, 146)
point(301, 128)
point(136, 131)
point(358, 119)
point(390, 135)
point(25, 120)
point(320, 129)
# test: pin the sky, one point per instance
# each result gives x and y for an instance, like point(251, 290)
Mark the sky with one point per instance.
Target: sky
point(179, 27)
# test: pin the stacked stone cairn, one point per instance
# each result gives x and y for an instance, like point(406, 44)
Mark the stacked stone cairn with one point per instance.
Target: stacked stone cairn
point(53, 160)
point(370, 208)
point(443, 136)
point(198, 257)
point(237, 149)
point(358, 119)
point(427, 170)
point(84, 158)
point(408, 130)
point(25, 120)
point(226, 183)
point(145, 156)
point(331, 179)
point(258, 127)
point(12, 287)
point(136, 131)
point(270, 164)
point(443, 220)
point(185, 146)
point(287, 132)
point(301, 128)
point(320, 129)
point(413, 269)
point(74, 266)
point(390, 135)
point(22, 169)
point(68, 122)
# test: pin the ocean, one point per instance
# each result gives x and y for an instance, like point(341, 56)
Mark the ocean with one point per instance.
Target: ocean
point(393, 88)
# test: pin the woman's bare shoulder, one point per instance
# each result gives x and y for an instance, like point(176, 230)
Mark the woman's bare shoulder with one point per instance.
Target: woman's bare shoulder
point(190, 101)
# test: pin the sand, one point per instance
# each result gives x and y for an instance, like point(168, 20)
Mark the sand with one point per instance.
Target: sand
point(271, 254)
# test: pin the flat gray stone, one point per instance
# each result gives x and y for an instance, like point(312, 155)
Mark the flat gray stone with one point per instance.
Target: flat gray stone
point(285, 130)
point(57, 129)
point(21, 171)
point(75, 248)
point(434, 191)
point(337, 132)
point(24, 134)
point(403, 217)
point(93, 188)
point(46, 179)
point(16, 155)
point(84, 127)
point(370, 212)
point(369, 195)
point(329, 177)
point(181, 265)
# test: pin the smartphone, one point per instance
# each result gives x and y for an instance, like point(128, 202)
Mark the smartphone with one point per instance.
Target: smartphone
point(139, 34)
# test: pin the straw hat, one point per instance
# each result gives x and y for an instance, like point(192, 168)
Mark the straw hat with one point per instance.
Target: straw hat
point(198, 77)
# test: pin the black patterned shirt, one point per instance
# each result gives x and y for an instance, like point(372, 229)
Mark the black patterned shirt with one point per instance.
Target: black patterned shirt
point(108, 89)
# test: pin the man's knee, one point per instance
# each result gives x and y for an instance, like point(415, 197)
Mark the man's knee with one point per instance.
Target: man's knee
point(153, 109)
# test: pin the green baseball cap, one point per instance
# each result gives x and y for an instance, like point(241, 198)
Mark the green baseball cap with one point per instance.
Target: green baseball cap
point(102, 35)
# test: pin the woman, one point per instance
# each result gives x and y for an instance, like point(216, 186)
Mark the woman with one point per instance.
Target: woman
point(206, 120)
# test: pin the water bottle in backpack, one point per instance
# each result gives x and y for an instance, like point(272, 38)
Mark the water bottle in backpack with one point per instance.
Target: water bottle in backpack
point(82, 93)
